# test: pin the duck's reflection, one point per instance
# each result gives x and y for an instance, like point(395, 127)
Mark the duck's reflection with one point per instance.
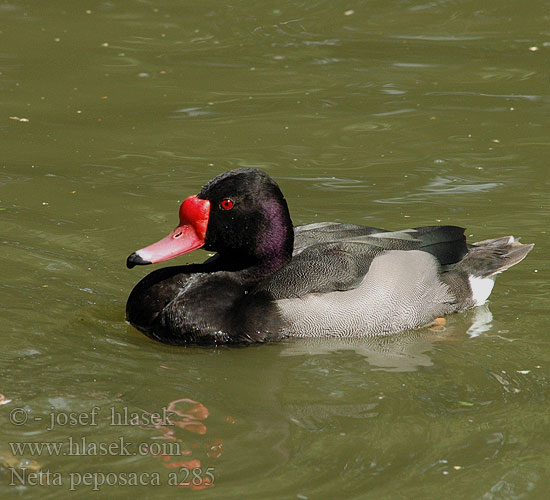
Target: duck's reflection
point(482, 321)
point(244, 424)
point(401, 352)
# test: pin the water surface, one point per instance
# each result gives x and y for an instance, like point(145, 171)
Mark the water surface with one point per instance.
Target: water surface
point(392, 114)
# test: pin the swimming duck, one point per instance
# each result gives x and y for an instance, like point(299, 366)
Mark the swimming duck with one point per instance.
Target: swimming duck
point(270, 280)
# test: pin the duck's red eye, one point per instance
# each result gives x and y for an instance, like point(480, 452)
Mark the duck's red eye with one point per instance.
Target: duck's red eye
point(227, 204)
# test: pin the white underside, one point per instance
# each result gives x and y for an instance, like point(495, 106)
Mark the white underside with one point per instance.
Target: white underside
point(481, 289)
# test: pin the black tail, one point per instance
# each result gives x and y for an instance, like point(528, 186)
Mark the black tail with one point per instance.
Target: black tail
point(446, 243)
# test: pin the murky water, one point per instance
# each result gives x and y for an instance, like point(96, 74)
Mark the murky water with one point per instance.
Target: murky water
point(392, 114)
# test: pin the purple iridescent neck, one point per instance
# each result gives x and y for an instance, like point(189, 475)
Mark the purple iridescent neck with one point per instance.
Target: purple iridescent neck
point(276, 241)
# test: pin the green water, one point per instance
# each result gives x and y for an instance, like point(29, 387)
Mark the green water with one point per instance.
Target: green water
point(392, 114)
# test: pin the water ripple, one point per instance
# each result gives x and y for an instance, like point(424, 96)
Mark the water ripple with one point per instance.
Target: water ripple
point(445, 186)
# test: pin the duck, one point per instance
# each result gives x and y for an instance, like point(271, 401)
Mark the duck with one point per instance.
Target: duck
point(269, 280)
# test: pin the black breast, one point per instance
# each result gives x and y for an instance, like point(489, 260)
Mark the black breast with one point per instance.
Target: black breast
point(211, 308)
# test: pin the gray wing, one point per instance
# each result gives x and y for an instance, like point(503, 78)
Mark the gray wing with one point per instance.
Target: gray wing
point(335, 265)
point(334, 257)
point(325, 232)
